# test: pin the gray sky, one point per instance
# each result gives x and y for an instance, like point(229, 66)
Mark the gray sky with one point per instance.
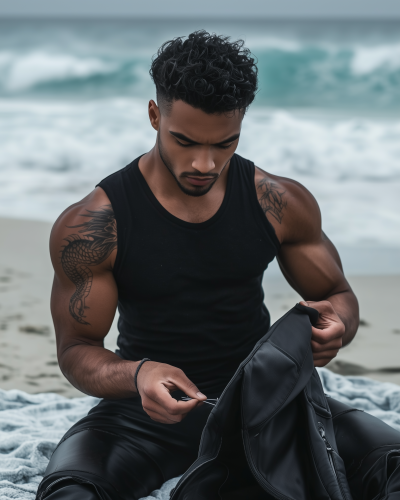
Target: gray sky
point(203, 8)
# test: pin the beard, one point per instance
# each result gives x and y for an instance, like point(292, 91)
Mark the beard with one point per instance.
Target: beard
point(196, 190)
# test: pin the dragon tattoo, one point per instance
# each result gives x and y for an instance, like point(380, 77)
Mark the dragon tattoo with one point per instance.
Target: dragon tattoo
point(94, 243)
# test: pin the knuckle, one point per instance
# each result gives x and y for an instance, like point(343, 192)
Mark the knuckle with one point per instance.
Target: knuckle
point(178, 372)
point(151, 392)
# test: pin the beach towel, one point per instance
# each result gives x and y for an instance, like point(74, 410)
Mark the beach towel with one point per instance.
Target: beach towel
point(32, 425)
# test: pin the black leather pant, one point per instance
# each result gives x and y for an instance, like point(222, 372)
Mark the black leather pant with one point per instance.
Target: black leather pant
point(118, 453)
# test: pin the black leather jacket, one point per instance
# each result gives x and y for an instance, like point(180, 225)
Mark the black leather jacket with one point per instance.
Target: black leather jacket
point(271, 433)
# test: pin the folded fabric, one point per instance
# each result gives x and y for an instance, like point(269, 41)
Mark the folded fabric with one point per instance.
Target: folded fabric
point(32, 425)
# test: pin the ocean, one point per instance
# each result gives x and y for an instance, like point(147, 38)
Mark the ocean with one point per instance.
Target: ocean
point(73, 109)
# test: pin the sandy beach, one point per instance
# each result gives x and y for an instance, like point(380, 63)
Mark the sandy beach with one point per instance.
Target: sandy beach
point(27, 344)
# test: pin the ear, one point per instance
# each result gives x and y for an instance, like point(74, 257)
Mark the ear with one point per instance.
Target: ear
point(154, 115)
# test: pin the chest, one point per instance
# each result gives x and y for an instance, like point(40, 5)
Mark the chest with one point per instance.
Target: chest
point(162, 258)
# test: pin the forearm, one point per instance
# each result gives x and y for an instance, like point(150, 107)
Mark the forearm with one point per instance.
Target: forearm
point(346, 307)
point(98, 372)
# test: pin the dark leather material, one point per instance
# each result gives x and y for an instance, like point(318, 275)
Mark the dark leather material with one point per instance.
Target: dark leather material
point(125, 454)
point(74, 492)
point(370, 450)
point(270, 419)
point(258, 443)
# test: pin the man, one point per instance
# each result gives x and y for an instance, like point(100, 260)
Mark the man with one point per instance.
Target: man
point(179, 240)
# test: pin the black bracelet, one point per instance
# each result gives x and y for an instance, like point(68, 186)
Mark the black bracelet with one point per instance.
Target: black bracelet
point(137, 371)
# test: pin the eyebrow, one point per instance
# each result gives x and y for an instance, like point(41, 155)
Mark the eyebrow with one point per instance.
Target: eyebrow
point(191, 141)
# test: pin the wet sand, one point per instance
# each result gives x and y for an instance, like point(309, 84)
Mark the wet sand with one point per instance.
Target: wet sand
point(27, 345)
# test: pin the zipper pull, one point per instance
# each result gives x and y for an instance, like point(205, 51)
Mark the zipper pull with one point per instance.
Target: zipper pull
point(321, 430)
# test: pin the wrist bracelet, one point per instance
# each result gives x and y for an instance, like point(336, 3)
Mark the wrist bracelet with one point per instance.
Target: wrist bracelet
point(137, 371)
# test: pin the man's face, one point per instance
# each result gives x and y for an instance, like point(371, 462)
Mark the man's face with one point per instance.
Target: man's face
point(196, 146)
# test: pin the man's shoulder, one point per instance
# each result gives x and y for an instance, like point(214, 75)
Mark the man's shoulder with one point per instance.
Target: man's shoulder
point(288, 205)
point(97, 200)
point(87, 219)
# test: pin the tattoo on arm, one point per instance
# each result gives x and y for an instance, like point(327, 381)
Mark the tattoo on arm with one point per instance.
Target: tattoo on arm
point(271, 199)
point(94, 243)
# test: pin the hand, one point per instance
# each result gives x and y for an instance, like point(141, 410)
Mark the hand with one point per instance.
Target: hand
point(155, 383)
point(327, 334)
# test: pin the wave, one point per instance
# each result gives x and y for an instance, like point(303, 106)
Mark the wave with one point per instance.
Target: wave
point(369, 60)
point(330, 76)
point(292, 74)
point(53, 154)
point(30, 70)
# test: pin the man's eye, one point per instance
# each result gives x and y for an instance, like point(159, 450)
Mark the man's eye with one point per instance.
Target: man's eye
point(184, 145)
point(226, 147)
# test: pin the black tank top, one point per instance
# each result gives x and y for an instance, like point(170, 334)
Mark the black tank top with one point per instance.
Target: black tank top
point(190, 294)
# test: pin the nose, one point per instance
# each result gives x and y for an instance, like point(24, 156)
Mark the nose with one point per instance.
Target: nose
point(203, 162)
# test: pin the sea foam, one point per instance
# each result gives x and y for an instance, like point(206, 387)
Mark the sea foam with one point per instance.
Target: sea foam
point(28, 70)
point(54, 154)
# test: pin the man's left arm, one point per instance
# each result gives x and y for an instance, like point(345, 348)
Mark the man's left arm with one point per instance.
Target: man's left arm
point(311, 265)
point(315, 271)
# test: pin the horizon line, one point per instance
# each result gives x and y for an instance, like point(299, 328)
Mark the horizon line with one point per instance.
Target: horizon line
point(168, 18)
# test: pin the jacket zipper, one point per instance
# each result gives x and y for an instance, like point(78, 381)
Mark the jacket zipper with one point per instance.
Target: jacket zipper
point(53, 483)
point(329, 449)
point(173, 491)
point(329, 452)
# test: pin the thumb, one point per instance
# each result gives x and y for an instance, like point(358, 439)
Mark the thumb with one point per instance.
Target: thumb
point(308, 303)
point(188, 387)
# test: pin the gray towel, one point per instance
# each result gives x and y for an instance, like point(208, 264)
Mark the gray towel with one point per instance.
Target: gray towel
point(32, 425)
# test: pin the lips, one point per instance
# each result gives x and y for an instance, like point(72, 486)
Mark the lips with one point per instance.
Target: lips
point(195, 181)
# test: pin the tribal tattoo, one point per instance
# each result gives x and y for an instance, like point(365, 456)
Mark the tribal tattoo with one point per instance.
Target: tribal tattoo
point(271, 199)
point(95, 242)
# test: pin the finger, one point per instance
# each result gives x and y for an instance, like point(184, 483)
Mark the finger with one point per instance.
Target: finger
point(162, 398)
point(320, 306)
point(335, 331)
point(171, 412)
point(317, 347)
point(163, 419)
point(183, 383)
point(325, 355)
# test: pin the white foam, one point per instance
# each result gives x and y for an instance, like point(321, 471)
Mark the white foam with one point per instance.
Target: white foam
point(54, 154)
point(369, 59)
point(22, 71)
point(351, 166)
point(267, 42)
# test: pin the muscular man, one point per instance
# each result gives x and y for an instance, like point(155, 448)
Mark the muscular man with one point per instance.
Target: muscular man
point(179, 241)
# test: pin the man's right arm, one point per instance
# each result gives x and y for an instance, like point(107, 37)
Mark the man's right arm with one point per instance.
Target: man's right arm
point(83, 247)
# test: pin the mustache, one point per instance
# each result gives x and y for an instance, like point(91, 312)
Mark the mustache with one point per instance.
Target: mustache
point(200, 175)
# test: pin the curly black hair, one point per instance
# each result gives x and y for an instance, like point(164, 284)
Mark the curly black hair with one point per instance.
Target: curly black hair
point(207, 71)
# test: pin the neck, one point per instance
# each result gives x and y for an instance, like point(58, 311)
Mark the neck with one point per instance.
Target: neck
point(168, 193)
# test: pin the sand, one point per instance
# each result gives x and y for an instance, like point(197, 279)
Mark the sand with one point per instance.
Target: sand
point(28, 358)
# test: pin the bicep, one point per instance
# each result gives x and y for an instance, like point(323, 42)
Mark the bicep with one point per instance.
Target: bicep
point(313, 268)
point(84, 295)
point(83, 313)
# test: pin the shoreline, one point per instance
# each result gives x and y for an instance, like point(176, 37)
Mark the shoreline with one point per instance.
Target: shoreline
point(27, 340)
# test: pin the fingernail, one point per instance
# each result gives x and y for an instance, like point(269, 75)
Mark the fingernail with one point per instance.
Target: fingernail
point(200, 395)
